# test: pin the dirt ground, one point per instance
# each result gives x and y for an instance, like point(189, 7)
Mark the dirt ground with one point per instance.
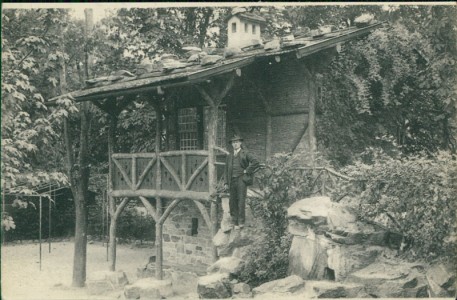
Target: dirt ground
point(21, 277)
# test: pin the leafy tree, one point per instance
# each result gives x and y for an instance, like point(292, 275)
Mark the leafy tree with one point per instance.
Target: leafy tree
point(393, 87)
point(412, 195)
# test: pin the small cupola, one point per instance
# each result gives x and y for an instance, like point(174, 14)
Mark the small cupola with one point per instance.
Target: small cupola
point(244, 28)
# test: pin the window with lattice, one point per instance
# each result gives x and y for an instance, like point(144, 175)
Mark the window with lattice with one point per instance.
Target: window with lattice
point(188, 128)
point(220, 130)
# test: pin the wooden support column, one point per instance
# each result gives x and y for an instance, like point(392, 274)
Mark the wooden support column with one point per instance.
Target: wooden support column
point(214, 101)
point(159, 225)
point(111, 201)
point(114, 212)
point(268, 110)
point(312, 112)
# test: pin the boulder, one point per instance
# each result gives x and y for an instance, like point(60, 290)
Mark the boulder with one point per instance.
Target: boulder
point(227, 242)
point(242, 252)
point(231, 265)
point(441, 281)
point(344, 260)
point(182, 282)
point(149, 288)
point(331, 289)
point(311, 211)
point(214, 286)
point(104, 281)
point(272, 45)
point(241, 290)
point(307, 258)
point(98, 287)
point(392, 280)
point(288, 285)
point(210, 59)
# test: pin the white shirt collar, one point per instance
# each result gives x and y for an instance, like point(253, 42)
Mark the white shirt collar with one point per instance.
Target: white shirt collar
point(236, 151)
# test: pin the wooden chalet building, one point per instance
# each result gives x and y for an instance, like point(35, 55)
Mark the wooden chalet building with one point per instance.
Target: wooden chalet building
point(265, 94)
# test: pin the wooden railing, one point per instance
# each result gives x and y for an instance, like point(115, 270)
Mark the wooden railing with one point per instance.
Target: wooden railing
point(323, 179)
point(173, 174)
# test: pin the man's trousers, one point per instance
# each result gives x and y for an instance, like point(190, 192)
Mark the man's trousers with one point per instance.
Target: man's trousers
point(237, 202)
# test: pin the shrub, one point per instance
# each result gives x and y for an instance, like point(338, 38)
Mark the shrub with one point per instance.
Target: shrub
point(414, 195)
point(268, 259)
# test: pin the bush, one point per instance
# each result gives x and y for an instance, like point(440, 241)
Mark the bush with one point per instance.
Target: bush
point(268, 259)
point(132, 224)
point(415, 196)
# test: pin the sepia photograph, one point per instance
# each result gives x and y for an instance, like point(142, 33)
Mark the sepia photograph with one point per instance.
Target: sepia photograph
point(228, 150)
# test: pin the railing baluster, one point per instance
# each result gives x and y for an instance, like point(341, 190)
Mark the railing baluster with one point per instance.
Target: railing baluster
point(133, 173)
point(183, 171)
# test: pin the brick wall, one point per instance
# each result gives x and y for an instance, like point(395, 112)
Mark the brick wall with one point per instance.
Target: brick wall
point(179, 245)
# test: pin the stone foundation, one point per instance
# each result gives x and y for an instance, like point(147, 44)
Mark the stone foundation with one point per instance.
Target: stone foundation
point(186, 236)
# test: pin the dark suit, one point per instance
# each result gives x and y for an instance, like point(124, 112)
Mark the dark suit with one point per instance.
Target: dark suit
point(238, 184)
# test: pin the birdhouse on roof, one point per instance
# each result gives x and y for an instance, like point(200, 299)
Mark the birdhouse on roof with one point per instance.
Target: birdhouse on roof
point(244, 28)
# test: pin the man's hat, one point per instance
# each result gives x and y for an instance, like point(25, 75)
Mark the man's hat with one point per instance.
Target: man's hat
point(236, 137)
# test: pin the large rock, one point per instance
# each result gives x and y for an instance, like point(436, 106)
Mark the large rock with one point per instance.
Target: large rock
point(241, 290)
point(308, 257)
point(104, 281)
point(331, 289)
point(344, 260)
point(232, 265)
point(288, 285)
point(311, 211)
point(149, 288)
point(227, 242)
point(441, 281)
point(182, 282)
point(392, 279)
point(214, 286)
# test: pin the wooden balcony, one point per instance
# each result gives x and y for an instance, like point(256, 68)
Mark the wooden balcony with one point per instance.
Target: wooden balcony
point(173, 174)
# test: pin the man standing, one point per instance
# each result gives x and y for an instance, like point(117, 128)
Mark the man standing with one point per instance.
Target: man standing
point(239, 171)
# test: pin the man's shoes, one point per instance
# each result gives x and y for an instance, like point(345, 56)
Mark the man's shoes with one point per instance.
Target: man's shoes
point(237, 227)
point(241, 226)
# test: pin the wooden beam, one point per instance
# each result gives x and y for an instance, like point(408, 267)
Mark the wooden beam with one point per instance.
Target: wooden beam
point(145, 172)
point(161, 154)
point(226, 89)
point(162, 194)
point(112, 233)
point(172, 173)
point(151, 210)
point(312, 113)
point(204, 213)
point(169, 209)
point(195, 174)
point(205, 95)
point(124, 175)
point(159, 240)
point(299, 137)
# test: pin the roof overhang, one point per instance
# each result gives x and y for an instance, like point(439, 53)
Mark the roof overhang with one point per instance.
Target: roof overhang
point(200, 75)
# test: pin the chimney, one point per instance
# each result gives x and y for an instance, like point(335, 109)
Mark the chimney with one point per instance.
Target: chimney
point(244, 28)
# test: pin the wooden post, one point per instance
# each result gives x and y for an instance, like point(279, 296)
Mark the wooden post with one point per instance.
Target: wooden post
point(212, 130)
point(111, 200)
point(312, 114)
point(159, 225)
point(214, 101)
point(268, 111)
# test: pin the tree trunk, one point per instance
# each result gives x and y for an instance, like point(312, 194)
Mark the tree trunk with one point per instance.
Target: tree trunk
point(80, 254)
point(78, 173)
